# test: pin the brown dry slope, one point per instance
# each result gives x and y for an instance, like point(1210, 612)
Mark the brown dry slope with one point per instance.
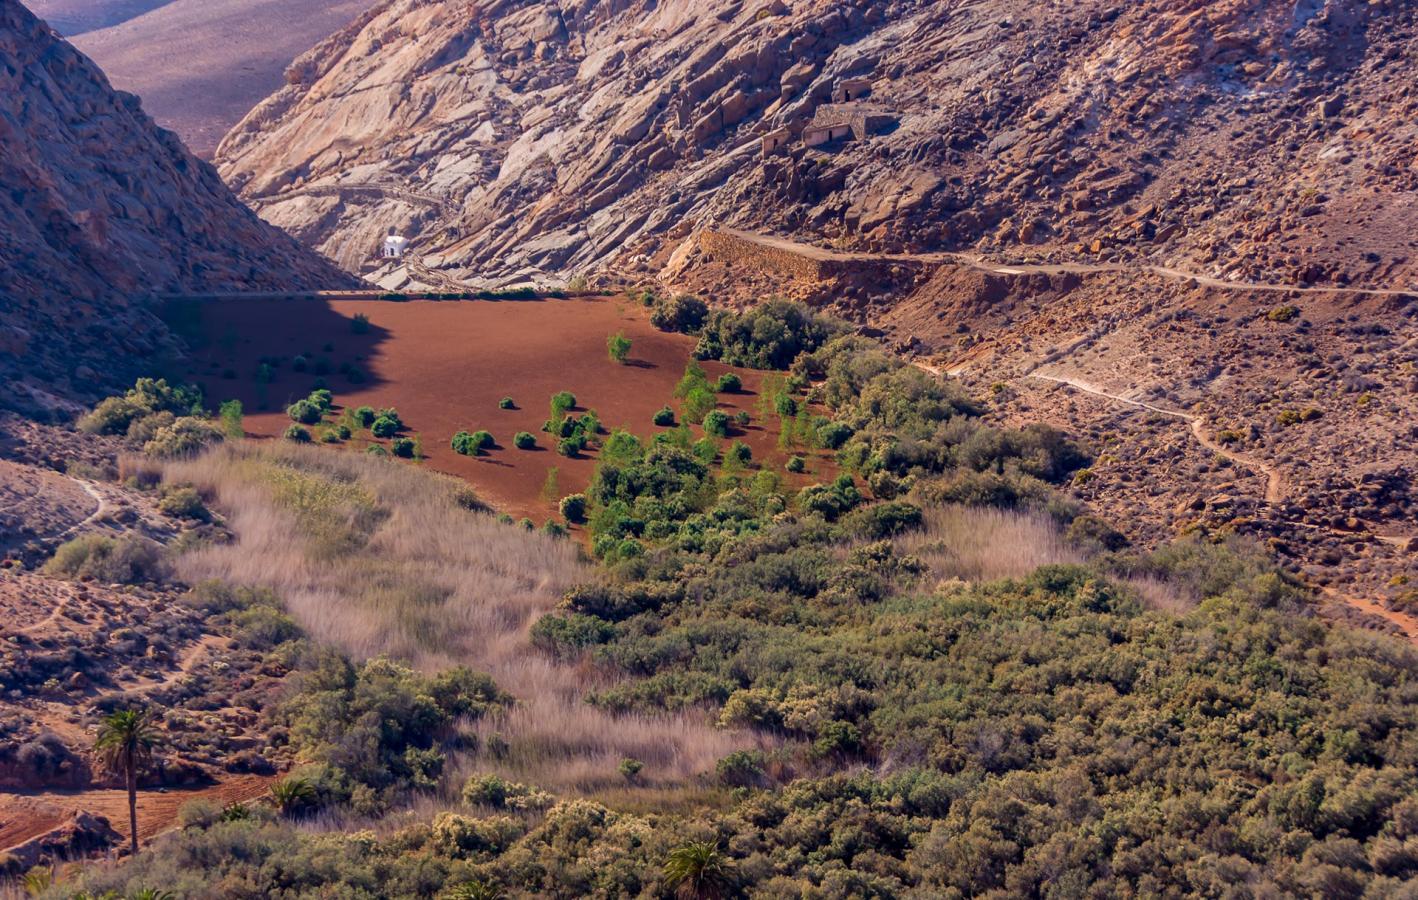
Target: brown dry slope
point(1270, 139)
point(71, 17)
point(199, 66)
point(100, 207)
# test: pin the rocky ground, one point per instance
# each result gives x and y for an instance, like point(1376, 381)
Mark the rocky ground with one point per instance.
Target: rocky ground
point(73, 650)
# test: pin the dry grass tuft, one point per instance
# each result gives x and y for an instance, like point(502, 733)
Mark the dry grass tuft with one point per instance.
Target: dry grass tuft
point(980, 544)
point(380, 558)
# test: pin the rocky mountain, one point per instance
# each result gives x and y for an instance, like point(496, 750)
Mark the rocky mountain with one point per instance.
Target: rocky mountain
point(102, 208)
point(1181, 228)
point(1264, 139)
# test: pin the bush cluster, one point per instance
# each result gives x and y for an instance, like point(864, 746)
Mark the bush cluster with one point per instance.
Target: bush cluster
point(472, 444)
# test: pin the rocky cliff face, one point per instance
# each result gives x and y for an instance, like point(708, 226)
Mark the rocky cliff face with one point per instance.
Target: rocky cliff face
point(1256, 138)
point(101, 207)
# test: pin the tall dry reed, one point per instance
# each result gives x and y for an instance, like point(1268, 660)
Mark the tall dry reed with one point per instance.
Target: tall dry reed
point(379, 558)
point(985, 544)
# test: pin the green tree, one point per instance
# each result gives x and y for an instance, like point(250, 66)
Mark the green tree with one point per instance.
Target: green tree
point(231, 413)
point(697, 404)
point(698, 871)
point(618, 346)
point(126, 742)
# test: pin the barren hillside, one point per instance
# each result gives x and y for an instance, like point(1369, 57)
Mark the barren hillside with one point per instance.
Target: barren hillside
point(1266, 139)
point(101, 207)
point(199, 66)
point(71, 17)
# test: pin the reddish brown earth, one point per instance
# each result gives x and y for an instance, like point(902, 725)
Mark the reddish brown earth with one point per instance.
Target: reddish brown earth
point(445, 365)
point(29, 814)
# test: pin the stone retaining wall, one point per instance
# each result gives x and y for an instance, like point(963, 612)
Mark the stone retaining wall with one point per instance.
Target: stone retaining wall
point(733, 249)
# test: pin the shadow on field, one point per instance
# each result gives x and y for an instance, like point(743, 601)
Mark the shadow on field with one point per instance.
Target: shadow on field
point(269, 353)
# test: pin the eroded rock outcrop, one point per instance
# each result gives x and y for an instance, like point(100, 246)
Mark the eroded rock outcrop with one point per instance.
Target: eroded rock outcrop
point(1242, 137)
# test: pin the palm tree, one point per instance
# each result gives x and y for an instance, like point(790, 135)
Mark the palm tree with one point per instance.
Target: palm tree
point(473, 890)
point(698, 871)
point(293, 794)
point(125, 744)
point(38, 880)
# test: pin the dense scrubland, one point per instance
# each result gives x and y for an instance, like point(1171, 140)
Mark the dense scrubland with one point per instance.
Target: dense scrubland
point(932, 674)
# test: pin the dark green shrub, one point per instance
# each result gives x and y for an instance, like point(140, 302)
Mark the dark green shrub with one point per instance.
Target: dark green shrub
point(147, 396)
point(304, 412)
point(472, 444)
point(728, 383)
point(298, 433)
point(183, 503)
point(573, 508)
point(716, 424)
point(569, 634)
point(402, 447)
point(742, 418)
point(833, 435)
point(706, 450)
point(562, 402)
point(127, 560)
point(795, 464)
point(385, 426)
point(364, 416)
point(506, 403)
point(684, 314)
point(664, 416)
point(618, 347)
point(768, 336)
point(742, 768)
point(838, 740)
point(739, 453)
point(524, 440)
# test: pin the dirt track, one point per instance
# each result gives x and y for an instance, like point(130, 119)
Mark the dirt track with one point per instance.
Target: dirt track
point(1275, 482)
point(809, 251)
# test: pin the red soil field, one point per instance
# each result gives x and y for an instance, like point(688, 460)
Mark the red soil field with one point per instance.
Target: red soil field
point(445, 365)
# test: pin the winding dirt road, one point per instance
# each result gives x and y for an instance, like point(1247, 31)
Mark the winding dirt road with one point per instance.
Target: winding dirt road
point(1274, 481)
point(380, 191)
point(822, 254)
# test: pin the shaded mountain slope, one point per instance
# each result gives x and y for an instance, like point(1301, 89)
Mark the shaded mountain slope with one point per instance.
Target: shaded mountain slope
point(102, 207)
